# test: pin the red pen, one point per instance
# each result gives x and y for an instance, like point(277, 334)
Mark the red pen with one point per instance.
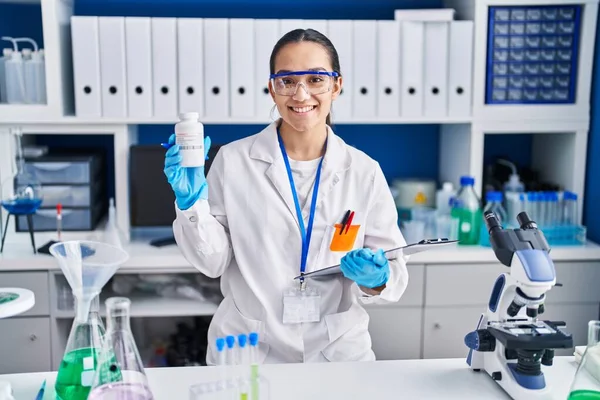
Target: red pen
point(58, 220)
point(349, 221)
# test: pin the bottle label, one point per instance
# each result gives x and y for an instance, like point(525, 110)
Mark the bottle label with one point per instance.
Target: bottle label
point(465, 227)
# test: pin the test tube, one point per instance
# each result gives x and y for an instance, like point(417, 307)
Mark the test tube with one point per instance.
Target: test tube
point(554, 220)
point(245, 362)
point(221, 363)
point(531, 203)
point(231, 362)
point(570, 210)
point(254, 376)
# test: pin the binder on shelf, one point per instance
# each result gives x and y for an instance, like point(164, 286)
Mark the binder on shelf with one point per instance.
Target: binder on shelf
point(86, 66)
point(436, 69)
point(460, 68)
point(434, 14)
point(241, 67)
point(319, 25)
point(411, 79)
point(340, 34)
point(365, 69)
point(388, 68)
point(112, 66)
point(287, 25)
point(190, 65)
point(266, 34)
point(138, 57)
point(216, 67)
point(164, 67)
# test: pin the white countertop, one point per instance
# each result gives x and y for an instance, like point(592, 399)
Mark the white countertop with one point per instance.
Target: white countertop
point(18, 254)
point(403, 379)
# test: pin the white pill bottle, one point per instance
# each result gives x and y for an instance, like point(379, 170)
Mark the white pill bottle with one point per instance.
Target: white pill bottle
point(189, 135)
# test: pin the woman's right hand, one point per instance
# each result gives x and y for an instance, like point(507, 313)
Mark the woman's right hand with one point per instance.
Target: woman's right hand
point(188, 184)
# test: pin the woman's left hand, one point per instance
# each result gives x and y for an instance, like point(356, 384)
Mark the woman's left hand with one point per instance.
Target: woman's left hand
point(365, 267)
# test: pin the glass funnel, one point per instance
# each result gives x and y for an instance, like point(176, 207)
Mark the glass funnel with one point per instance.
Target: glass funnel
point(586, 384)
point(22, 191)
point(120, 374)
point(77, 368)
point(87, 266)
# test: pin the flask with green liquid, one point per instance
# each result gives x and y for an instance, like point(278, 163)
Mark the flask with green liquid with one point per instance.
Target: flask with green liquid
point(586, 384)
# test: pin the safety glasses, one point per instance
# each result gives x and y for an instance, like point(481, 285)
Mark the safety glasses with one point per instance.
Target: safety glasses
point(313, 82)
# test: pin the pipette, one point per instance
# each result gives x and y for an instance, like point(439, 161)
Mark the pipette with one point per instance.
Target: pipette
point(253, 338)
point(231, 362)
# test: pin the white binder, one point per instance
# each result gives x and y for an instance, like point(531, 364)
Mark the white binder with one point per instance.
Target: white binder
point(241, 67)
point(266, 34)
point(164, 67)
point(216, 68)
point(365, 68)
point(460, 68)
point(287, 25)
point(411, 78)
point(436, 69)
point(86, 66)
point(112, 66)
point(319, 25)
point(190, 66)
point(138, 47)
point(388, 68)
point(340, 34)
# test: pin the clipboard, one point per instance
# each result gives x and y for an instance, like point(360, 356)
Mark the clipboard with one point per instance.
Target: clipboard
point(414, 248)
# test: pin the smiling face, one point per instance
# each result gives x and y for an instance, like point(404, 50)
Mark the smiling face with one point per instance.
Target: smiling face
point(304, 111)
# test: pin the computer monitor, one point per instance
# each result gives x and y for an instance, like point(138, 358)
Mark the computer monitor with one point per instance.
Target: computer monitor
point(151, 196)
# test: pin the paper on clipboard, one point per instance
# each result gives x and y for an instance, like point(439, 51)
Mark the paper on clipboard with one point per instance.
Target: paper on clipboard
point(407, 250)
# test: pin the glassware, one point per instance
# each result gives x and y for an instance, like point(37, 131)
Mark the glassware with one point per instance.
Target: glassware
point(87, 266)
point(586, 384)
point(77, 368)
point(121, 373)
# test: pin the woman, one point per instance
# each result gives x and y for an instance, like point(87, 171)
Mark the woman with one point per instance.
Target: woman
point(242, 222)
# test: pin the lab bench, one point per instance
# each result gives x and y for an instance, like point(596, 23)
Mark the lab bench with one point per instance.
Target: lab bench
point(448, 290)
point(447, 379)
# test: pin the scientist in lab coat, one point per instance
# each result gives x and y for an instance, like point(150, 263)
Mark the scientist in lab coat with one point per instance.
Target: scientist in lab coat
point(293, 198)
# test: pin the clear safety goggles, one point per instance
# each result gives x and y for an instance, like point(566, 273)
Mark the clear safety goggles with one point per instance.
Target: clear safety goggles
point(313, 82)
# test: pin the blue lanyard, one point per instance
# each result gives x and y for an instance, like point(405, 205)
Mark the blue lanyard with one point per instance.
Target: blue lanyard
point(305, 233)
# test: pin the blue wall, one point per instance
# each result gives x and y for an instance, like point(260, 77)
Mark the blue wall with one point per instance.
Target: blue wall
point(591, 211)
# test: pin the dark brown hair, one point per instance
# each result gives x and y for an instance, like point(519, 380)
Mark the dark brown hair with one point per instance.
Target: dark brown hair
point(307, 35)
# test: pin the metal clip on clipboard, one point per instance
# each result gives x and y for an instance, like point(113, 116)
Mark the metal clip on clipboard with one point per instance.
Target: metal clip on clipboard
point(423, 245)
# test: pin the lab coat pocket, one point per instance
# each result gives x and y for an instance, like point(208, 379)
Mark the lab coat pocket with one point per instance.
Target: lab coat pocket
point(344, 240)
point(349, 338)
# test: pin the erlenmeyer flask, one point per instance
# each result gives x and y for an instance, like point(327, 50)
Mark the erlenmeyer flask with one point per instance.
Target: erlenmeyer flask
point(120, 374)
point(586, 384)
point(77, 368)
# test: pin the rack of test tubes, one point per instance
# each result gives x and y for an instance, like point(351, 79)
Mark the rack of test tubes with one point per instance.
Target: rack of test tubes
point(239, 377)
point(556, 214)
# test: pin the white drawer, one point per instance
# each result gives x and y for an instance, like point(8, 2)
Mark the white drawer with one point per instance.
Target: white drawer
point(395, 332)
point(444, 330)
point(413, 295)
point(581, 283)
point(25, 345)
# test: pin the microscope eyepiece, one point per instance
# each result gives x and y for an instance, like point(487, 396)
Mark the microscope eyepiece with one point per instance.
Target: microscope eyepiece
point(525, 222)
point(491, 221)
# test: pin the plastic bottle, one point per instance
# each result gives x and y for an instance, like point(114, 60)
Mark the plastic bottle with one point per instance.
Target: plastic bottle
point(493, 204)
point(6, 54)
point(442, 198)
point(15, 80)
point(189, 135)
point(467, 208)
point(112, 235)
point(512, 191)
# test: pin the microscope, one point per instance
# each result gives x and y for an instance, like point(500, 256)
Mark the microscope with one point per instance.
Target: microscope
point(510, 343)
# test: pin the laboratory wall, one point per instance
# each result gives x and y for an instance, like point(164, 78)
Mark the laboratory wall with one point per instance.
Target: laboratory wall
point(592, 189)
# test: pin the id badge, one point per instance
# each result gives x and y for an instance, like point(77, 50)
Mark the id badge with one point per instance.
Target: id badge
point(301, 305)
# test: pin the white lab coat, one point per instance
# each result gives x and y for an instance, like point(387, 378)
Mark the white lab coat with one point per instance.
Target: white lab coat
point(247, 233)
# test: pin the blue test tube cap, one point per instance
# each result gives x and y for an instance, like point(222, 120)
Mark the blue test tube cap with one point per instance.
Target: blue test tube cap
point(220, 344)
point(230, 340)
point(531, 196)
point(242, 340)
point(253, 338)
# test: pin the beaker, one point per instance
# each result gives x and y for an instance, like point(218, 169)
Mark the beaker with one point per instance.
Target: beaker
point(77, 368)
point(120, 374)
point(586, 384)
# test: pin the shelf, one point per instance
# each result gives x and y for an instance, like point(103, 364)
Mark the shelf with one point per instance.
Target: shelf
point(146, 305)
point(20, 119)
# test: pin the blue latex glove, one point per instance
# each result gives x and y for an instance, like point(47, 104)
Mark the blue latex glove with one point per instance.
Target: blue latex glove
point(366, 268)
point(189, 184)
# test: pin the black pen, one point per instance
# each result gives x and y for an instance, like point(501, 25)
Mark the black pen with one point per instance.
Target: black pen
point(344, 221)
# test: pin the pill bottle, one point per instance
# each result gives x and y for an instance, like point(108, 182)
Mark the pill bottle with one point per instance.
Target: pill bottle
point(189, 135)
